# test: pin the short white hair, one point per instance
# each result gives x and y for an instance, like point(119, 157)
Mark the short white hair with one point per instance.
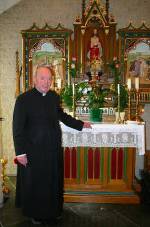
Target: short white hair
point(43, 66)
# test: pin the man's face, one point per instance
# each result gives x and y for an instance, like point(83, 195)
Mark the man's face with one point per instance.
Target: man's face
point(43, 80)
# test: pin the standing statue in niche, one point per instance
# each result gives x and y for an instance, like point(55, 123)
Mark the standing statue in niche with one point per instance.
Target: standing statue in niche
point(95, 52)
point(95, 47)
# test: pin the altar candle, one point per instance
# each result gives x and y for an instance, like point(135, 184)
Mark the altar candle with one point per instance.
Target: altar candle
point(129, 84)
point(59, 83)
point(73, 89)
point(137, 83)
point(118, 89)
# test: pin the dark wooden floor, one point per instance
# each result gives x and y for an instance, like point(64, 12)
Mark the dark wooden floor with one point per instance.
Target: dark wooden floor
point(79, 215)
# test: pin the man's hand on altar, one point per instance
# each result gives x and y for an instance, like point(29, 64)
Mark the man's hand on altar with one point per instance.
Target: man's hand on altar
point(87, 125)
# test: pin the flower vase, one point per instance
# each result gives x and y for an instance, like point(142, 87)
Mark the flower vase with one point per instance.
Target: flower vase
point(96, 115)
point(122, 117)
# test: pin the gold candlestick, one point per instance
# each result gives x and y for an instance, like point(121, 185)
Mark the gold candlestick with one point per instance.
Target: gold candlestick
point(137, 117)
point(74, 101)
point(129, 105)
point(5, 188)
point(119, 118)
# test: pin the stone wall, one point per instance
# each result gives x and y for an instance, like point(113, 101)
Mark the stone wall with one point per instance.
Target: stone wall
point(22, 16)
point(1, 194)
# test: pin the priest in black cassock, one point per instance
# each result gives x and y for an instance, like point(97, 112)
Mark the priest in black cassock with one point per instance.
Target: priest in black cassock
point(39, 153)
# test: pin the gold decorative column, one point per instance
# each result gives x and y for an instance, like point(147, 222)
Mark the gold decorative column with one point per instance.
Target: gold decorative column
point(30, 73)
point(69, 78)
point(17, 75)
point(129, 105)
point(81, 46)
point(23, 64)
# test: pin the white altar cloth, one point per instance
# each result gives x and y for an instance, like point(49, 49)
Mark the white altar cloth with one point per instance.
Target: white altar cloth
point(106, 135)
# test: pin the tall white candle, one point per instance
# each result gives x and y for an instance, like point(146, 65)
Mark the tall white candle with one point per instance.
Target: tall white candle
point(137, 83)
point(118, 89)
point(59, 83)
point(73, 89)
point(129, 84)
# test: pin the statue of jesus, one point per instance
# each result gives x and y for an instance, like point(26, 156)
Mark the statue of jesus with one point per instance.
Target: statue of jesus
point(95, 51)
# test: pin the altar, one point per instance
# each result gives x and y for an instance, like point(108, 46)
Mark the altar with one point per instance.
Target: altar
point(99, 163)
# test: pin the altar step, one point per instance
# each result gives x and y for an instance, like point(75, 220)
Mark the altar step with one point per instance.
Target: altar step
point(102, 197)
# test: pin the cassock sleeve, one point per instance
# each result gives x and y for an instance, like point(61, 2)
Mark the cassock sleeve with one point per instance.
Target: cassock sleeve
point(67, 119)
point(19, 121)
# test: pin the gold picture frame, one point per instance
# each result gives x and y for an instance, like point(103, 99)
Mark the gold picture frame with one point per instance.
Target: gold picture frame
point(49, 46)
point(134, 53)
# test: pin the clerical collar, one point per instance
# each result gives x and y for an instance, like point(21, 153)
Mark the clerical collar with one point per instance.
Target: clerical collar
point(43, 94)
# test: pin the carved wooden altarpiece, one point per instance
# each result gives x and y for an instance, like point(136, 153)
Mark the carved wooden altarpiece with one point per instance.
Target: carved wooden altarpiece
point(37, 43)
point(95, 15)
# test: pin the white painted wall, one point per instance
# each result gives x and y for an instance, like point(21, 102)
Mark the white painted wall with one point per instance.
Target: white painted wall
point(1, 194)
point(6, 4)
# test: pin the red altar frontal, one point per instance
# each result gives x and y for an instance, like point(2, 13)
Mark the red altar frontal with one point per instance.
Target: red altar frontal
point(99, 163)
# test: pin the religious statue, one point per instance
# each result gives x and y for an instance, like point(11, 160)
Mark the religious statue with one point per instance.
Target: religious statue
point(95, 51)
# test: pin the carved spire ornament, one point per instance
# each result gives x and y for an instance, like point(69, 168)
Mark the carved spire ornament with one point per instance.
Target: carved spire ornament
point(83, 9)
point(107, 10)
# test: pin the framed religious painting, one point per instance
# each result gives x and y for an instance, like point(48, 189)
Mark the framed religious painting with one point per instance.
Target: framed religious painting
point(47, 45)
point(134, 48)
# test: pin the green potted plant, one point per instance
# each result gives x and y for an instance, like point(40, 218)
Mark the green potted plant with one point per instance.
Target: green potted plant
point(96, 101)
point(67, 94)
